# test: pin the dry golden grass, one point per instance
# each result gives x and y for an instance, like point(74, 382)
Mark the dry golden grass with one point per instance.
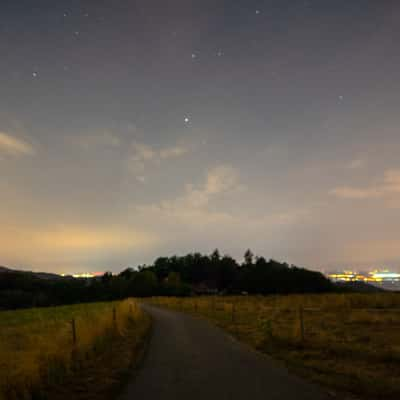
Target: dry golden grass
point(350, 342)
point(38, 353)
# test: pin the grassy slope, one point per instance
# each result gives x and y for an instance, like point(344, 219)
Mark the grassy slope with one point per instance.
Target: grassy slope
point(351, 342)
point(38, 358)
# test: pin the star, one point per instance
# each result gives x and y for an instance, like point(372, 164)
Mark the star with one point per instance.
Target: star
point(341, 98)
point(187, 120)
point(258, 12)
point(34, 74)
point(65, 14)
point(194, 55)
point(220, 53)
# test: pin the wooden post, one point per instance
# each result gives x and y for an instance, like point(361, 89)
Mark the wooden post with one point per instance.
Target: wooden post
point(73, 326)
point(301, 321)
point(74, 351)
point(114, 313)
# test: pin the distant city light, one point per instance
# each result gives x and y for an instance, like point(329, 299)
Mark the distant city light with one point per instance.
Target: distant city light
point(386, 275)
point(376, 277)
point(85, 275)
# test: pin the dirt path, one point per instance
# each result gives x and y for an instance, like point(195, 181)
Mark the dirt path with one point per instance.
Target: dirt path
point(190, 359)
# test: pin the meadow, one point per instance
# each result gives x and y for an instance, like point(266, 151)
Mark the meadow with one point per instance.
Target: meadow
point(349, 343)
point(78, 351)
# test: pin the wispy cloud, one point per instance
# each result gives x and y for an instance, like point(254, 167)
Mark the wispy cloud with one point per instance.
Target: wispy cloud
point(357, 163)
point(10, 145)
point(219, 180)
point(143, 155)
point(198, 206)
point(347, 192)
point(101, 139)
point(389, 185)
point(172, 152)
point(193, 205)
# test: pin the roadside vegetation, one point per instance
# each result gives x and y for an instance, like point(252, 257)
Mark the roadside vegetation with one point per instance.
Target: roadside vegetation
point(348, 342)
point(69, 352)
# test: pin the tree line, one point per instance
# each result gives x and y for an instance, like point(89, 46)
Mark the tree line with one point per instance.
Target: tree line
point(193, 273)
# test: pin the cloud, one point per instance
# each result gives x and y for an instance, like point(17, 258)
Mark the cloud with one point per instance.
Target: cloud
point(102, 139)
point(143, 155)
point(372, 251)
point(219, 180)
point(346, 192)
point(357, 164)
point(172, 152)
point(13, 146)
point(199, 207)
point(389, 186)
point(392, 181)
point(192, 206)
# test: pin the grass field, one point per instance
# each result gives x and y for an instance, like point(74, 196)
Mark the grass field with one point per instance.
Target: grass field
point(349, 343)
point(78, 351)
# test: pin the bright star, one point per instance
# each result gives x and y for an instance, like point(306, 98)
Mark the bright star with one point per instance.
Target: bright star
point(194, 56)
point(258, 11)
point(34, 74)
point(187, 120)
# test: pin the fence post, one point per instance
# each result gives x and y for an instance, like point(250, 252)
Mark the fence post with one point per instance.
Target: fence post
point(301, 321)
point(73, 326)
point(114, 316)
point(74, 351)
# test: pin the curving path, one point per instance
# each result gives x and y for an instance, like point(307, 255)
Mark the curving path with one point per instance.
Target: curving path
point(190, 359)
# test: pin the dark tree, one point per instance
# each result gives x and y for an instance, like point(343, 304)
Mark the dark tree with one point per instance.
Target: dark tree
point(248, 258)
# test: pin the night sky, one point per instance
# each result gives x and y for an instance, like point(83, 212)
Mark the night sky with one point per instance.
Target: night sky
point(134, 129)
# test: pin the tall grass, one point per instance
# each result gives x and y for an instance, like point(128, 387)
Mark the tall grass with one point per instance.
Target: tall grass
point(350, 342)
point(38, 348)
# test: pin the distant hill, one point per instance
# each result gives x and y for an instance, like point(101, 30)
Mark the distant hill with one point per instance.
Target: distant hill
point(39, 275)
point(23, 289)
point(360, 287)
